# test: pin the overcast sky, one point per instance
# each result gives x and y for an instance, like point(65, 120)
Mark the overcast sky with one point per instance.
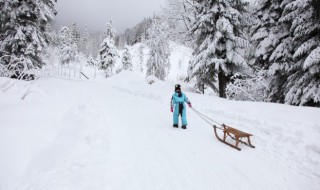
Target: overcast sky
point(95, 13)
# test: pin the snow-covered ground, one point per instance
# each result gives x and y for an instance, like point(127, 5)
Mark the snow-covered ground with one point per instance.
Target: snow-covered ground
point(116, 134)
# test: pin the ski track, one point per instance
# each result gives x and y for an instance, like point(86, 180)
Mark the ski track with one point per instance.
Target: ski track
point(112, 136)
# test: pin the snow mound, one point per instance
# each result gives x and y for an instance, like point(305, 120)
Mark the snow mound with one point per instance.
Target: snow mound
point(126, 77)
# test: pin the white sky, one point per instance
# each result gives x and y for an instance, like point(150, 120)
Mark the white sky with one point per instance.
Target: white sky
point(95, 13)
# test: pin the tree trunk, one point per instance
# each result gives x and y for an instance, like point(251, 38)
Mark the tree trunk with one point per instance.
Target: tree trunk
point(202, 88)
point(222, 83)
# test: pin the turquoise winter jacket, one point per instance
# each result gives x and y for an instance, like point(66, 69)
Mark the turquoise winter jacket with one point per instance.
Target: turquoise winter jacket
point(178, 104)
point(176, 100)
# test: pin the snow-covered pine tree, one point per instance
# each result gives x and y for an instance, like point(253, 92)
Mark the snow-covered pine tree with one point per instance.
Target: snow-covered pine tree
point(126, 59)
point(220, 41)
point(303, 87)
point(158, 62)
point(110, 31)
point(136, 34)
point(267, 32)
point(50, 54)
point(68, 48)
point(75, 34)
point(271, 40)
point(108, 52)
point(84, 42)
point(141, 57)
point(22, 31)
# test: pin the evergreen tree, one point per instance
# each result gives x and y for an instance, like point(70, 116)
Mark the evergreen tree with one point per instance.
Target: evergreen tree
point(22, 29)
point(85, 40)
point(267, 31)
point(303, 87)
point(110, 31)
point(127, 59)
point(108, 52)
point(141, 57)
point(220, 41)
point(136, 34)
point(75, 34)
point(271, 39)
point(158, 62)
point(68, 48)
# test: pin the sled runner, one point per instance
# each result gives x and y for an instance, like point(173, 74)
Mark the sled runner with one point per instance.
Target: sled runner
point(235, 134)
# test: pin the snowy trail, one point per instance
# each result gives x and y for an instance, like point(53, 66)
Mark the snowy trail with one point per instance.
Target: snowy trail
point(117, 134)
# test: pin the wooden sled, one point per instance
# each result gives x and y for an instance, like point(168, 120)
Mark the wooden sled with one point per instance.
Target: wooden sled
point(235, 134)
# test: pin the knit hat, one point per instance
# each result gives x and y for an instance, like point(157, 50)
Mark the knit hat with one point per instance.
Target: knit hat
point(177, 87)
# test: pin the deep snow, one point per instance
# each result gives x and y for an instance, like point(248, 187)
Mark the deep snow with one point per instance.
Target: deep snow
point(116, 134)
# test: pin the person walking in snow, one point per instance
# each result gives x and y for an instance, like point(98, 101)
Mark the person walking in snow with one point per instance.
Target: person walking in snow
point(178, 107)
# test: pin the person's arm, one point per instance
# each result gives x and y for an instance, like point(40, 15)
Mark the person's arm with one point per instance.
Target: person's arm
point(187, 101)
point(172, 103)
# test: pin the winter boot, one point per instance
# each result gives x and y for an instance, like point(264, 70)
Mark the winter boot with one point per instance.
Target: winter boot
point(184, 127)
point(175, 125)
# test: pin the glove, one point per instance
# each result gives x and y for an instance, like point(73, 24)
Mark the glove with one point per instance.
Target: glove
point(171, 109)
point(189, 104)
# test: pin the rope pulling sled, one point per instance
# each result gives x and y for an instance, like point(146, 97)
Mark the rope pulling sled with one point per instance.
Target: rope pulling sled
point(233, 133)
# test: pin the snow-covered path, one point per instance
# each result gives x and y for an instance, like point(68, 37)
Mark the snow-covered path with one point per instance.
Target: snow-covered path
point(117, 134)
